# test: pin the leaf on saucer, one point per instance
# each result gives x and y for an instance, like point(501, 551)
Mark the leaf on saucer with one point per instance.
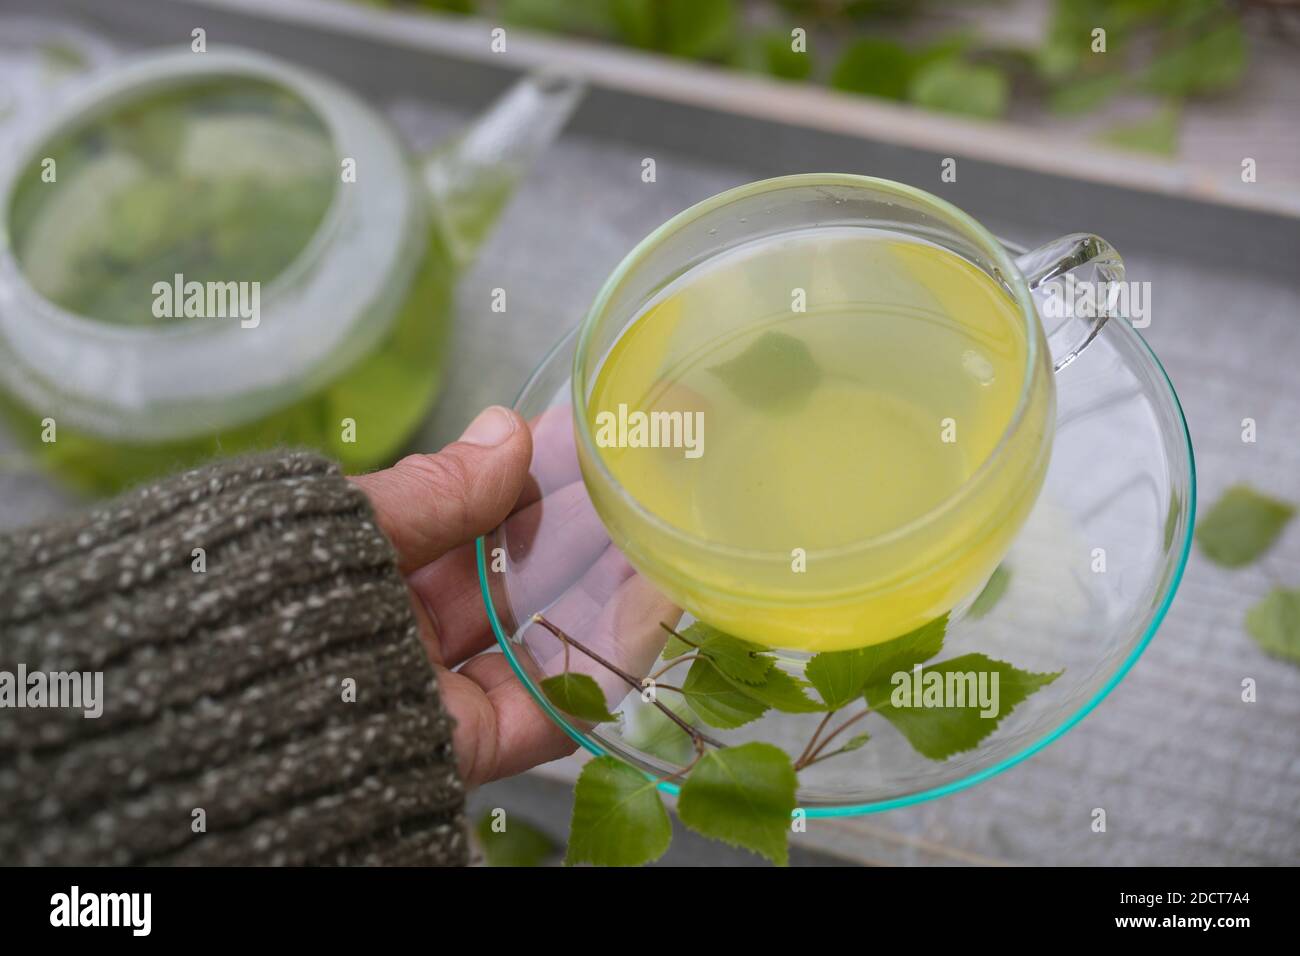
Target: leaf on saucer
point(518, 843)
point(651, 731)
point(938, 732)
point(1274, 623)
point(1241, 526)
point(855, 742)
point(841, 676)
point(775, 373)
point(578, 695)
point(675, 647)
point(618, 816)
point(781, 692)
point(743, 796)
point(991, 594)
point(716, 700)
point(737, 659)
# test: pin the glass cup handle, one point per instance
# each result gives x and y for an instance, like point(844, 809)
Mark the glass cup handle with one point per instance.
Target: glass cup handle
point(1063, 256)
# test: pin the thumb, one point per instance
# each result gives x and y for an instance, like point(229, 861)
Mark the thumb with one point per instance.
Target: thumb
point(429, 504)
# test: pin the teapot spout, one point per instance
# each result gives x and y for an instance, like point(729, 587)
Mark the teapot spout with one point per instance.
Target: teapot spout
point(471, 178)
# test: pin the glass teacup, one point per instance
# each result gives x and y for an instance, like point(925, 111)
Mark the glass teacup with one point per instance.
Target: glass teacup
point(789, 592)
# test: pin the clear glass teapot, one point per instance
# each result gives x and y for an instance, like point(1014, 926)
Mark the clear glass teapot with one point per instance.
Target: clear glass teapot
point(208, 253)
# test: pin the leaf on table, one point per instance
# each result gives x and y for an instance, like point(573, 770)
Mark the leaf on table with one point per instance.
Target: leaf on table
point(938, 732)
point(874, 67)
point(842, 676)
point(992, 593)
point(517, 843)
point(1241, 526)
point(743, 796)
point(1274, 623)
point(772, 52)
point(618, 816)
point(775, 373)
point(593, 18)
point(1212, 61)
point(952, 86)
point(703, 29)
point(1157, 134)
point(717, 701)
point(578, 695)
point(1080, 94)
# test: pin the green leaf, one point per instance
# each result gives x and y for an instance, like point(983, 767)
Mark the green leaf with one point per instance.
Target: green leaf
point(992, 593)
point(700, 29)
point(855, 742)
point(618, 816)
point(1274, 623)
point(635, 20)
point(650, 731)
point(675, 647)
point(938, 732)
point(775, 373)
point(874, 67)
point(771, 52)
point(1080, 95)
point(578, 695)
point(716, 700)
point(1210, 62)
point(780, 691)
point(1157, 134)
point(449, 6)
point(518, 844)
point(737, 659)
point(1241, 526)
point(584, 17)
point(951, 86)
point(841, 676)
point(743, 796)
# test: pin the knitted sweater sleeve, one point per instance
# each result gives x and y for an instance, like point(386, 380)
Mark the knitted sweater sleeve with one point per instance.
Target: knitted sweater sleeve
point(262, 691)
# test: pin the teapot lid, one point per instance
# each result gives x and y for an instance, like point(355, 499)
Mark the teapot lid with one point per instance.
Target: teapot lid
point(332, 302)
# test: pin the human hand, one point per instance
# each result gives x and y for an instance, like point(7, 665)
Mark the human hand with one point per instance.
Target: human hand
point(432, 508)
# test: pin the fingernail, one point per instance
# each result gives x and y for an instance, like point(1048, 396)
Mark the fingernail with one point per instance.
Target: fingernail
point(492, 427)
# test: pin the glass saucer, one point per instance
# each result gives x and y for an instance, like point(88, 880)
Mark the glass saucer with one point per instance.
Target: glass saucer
point(1087, 583)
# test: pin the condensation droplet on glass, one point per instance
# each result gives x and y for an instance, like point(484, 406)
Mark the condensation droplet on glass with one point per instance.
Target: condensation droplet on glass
point(978, 367)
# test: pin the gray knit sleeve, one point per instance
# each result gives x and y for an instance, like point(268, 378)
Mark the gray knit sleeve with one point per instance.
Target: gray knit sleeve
point(265, 695)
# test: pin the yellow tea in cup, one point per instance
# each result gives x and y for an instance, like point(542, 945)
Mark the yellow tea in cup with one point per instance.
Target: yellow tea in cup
point(810, 436)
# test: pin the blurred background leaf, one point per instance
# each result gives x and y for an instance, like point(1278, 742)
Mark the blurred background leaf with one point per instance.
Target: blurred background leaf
point(1161, 53)
point(519, 844)
point(1158, 134)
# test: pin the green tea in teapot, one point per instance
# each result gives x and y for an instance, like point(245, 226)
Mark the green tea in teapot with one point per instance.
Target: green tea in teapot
point(227, 179)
